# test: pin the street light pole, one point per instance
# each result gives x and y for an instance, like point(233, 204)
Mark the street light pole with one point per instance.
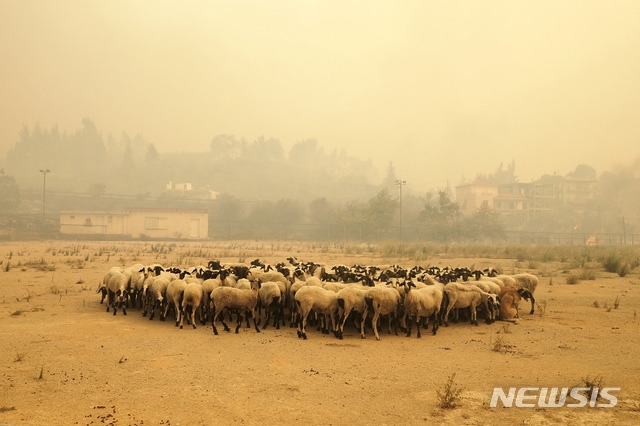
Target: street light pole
point(400, 184)
point(44, 189)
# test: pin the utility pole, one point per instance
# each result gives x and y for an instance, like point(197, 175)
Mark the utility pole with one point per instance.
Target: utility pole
point(400, 184)
point(44, 190)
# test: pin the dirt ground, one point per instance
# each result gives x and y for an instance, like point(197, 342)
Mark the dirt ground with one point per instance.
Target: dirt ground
point(66, 361)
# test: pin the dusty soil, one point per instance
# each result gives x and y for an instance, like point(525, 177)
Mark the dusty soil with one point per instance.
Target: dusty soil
point(65, 360)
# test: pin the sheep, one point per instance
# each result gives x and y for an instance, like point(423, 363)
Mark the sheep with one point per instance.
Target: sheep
point(173, 297)
point(269, 296)
point(297, 284)
point(381, 301)
point(424, 281)
point(191, 298)
point(155, 295)
point(509, 299)
point(117, 291)
point(311, 297)
point(466, 296)
point(422, 303)
point(102, 287)
point(136, 282)
point(489, 287)
point(351, 299)
point(530, 282)
point(231, 297)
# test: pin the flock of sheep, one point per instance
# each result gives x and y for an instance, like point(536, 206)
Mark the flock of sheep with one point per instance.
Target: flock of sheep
point(327, 296)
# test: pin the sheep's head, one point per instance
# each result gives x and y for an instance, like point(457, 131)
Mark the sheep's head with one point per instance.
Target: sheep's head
point(524, 293)
point(495, 300)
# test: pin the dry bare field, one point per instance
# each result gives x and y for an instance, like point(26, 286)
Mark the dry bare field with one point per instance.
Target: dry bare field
point(66, 361)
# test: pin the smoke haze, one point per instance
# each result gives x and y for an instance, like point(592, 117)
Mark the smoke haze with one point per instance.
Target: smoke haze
point(442, 89)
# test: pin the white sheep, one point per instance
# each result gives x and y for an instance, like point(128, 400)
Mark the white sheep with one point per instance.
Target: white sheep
point(136, 282)
point(173, 297)
point(325, 302)
point(422, 303)
point(155, 295)
point(192, 298)
point(233, 298)
point(117, 291)
point(530, 282)
point(102, 287)
point(466, 296)
point(351, 299)
point(381, 301)
point(269, 297)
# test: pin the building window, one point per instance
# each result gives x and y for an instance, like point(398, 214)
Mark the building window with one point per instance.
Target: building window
point(150, 223)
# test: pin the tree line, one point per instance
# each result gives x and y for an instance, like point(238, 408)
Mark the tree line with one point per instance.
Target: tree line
point(265, 188)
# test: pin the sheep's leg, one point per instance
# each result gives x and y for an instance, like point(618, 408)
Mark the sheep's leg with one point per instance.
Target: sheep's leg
point(193, 316)
point(435, 322)
point(363, 319)
point(335, 328)
point(533, 302)
point(267, 316)
point(164, 312)
point(224, 324)
point(403, 322)
point(345, 315)
point(302, 324)
point(390, 318)
point(474, 315)
point(213, 321)
point(276, 320)
point(395, 328)
point(240, 320)
point(409, 322)
point(253, 317)
point(374, 324)
point(418, 318)
point(179, 315)
point(109, 300)
point(448, 310)
point(154, 306)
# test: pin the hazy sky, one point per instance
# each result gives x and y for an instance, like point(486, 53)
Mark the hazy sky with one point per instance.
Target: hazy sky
point(441, 88)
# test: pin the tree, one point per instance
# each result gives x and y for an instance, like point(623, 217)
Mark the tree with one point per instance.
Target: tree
point(97, 189)
point(305, 151)
point(484, 223)
point(390, 179)
point(381, 209)
point(440, 219)
point(9, 192)
point(226, 147)
point(152, 153)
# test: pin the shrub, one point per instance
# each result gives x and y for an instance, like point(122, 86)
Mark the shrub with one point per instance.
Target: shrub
point(612, 263)
point(623, 270)
point(572, 279)
point(449, 397)
point(587, 274)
